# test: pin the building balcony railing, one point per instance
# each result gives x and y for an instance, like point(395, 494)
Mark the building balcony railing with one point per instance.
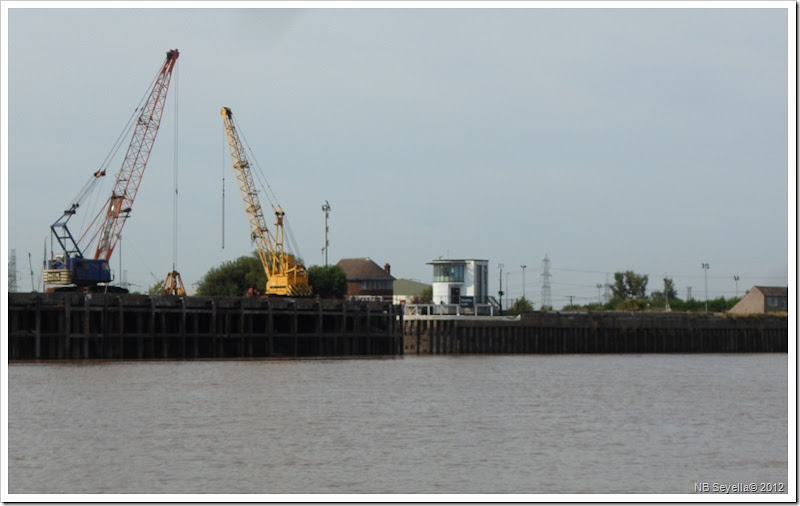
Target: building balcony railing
point(450, 309)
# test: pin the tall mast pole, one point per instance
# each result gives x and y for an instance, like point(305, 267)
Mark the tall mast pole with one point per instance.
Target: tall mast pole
point(326, 208)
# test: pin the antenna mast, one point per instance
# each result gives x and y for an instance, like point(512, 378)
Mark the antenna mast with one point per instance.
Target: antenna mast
point(30, 265)
point(326, 208)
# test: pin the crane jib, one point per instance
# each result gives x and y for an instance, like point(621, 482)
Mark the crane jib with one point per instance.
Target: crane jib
point(285, 274)
point(70, 267)
point(135, 161)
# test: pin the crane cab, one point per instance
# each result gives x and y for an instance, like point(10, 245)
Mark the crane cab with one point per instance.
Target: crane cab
point(63, 270)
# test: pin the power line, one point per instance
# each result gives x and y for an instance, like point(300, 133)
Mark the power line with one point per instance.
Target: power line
point(694, 275)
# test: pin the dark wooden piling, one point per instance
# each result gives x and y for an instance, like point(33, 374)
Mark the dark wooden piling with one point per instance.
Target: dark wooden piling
point(131, 326)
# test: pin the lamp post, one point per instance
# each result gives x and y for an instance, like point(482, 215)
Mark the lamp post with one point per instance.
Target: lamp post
point(507, 285)
point(326, 208)
point(30, 266)
point(705, 267)
point(736, 280)
point(523, 280)
point(500, 291)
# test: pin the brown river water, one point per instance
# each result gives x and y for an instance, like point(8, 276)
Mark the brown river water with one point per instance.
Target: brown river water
point(555, 424)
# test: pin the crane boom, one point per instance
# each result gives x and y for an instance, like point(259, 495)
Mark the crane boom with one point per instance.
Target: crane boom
point(71, 267)
point(286, 275)
point(130, 175)
point(259, 231)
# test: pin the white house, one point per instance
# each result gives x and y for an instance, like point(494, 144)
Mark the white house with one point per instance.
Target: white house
point(464, 282)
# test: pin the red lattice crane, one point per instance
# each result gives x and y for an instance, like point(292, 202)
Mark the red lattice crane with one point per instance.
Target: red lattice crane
point(71, 267)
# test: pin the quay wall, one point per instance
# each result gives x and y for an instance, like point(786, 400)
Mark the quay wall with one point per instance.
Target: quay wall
point(56, 326)
point(543, 333)
point(130, 326)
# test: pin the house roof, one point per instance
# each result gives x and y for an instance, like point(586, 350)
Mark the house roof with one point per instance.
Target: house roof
point(773, 291)
point(362, 268)
point(409, 287)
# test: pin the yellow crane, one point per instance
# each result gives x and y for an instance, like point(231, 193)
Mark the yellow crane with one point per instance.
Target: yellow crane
point(286, 274)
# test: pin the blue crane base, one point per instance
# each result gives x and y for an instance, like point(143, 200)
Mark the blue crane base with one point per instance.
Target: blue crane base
point(78, 271)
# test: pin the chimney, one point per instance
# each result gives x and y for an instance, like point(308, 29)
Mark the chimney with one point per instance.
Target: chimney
point(387, 268)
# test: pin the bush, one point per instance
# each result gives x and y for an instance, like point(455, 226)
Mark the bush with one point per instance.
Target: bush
point(328, 282)
point(231, 279)
point(631, 305)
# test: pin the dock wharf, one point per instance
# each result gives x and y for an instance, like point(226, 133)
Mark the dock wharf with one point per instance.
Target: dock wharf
point(56, 326)
point(43, 326)
point(600, 332)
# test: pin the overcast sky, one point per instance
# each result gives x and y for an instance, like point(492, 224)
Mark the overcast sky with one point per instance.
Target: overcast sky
point(647, 139)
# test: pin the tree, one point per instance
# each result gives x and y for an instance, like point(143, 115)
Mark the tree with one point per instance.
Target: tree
point(669, 289)
point(426, 297)
point(629, 291)
point(629, 285)
point(155, 288)
point(329, 282)
point(521, 305)
point(232, 278)
point(658, 298)
point(718, 305)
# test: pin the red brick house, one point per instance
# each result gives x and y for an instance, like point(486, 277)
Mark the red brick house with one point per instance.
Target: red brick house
point(366, 279)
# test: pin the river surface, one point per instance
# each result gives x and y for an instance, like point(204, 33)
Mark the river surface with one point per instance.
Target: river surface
point(555, 424)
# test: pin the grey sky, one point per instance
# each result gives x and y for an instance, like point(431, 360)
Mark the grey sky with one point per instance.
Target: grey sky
point(608, 139)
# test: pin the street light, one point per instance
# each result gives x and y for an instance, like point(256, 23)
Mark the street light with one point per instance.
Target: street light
point(326, 208)
point(705, 267)
point(736, 280)
point(500, 291)
point(507, 290)
point(523, 280)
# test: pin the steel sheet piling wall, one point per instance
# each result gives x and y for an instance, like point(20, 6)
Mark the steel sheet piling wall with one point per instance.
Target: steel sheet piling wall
point(543, 333)
point(131, 326)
